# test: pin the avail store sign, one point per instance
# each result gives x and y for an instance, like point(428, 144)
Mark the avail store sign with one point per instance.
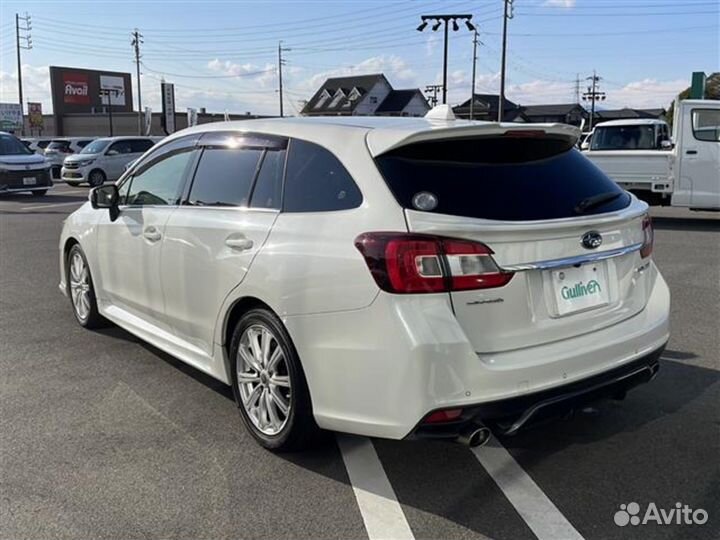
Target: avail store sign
point(76, 89)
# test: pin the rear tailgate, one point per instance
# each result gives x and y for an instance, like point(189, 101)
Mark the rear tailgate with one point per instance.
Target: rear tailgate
point(570, 236)
point(545, 300)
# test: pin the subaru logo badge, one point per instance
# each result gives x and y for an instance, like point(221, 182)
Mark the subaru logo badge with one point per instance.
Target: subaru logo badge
point(591, 240)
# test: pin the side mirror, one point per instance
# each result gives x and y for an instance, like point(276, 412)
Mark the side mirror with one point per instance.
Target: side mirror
point(112, 152)
point(585, 145)
point(666, 144)
point(106, 196)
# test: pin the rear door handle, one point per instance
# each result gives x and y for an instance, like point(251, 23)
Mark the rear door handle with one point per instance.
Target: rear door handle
point(152, 234)
point(239, 243)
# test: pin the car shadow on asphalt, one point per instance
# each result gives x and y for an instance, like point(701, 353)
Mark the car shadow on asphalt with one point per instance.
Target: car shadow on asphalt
point(445, 480)
point(686, 224)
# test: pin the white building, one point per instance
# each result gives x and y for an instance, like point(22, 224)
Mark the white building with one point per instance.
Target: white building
point(365, 95)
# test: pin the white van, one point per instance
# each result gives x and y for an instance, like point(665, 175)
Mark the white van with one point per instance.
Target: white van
point(60, 148)
point(104, 160)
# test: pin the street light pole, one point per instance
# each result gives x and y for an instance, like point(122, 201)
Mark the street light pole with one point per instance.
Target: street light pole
point(446, 20)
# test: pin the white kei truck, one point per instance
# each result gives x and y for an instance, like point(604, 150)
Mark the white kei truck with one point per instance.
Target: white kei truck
point(685, 173)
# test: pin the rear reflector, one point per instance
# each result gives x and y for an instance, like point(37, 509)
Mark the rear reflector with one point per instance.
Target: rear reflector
point(419, 263)
point(448, 415)
point(648, 237)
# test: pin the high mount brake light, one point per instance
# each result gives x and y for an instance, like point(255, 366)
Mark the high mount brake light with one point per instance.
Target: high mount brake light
point(525, 133)
point(648, 237)
point(418, 263)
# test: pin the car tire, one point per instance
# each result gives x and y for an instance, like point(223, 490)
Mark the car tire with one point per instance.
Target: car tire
point(260, 401)
point(39, 193)
point(96, 178)
point(73, 184)
point(81, 291)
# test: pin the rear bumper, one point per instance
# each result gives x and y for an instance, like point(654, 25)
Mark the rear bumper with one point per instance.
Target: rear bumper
point(509, 416)
point(380, 370)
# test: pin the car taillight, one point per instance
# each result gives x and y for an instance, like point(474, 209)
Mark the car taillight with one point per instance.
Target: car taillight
point(419, 263)
point(648, 237)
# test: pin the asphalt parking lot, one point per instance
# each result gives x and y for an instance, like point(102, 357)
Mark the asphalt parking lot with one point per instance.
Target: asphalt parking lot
point(102, 436)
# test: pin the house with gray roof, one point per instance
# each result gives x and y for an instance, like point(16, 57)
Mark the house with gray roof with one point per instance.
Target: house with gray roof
point(365, 95)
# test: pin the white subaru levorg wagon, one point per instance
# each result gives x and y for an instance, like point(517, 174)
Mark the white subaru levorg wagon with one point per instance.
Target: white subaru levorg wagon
point(389, 277)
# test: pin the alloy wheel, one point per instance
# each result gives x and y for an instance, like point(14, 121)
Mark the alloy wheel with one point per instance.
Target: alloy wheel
point(80, 286)
point(263, 379)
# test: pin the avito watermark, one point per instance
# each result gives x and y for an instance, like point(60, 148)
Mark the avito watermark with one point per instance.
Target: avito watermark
point(680, 514)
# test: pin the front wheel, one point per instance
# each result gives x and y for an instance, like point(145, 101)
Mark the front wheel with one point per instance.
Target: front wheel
point(96, 178)
point(269, 383)
point(81, 290)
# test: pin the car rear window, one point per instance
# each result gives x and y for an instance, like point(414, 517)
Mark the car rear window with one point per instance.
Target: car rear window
point(59, 145)
point(500, 178)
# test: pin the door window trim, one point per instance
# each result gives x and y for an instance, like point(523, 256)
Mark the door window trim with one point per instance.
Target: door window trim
point(221, 140)
point(694, 130)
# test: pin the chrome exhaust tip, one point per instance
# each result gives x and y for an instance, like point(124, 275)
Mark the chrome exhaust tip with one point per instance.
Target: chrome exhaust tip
point(474, 435)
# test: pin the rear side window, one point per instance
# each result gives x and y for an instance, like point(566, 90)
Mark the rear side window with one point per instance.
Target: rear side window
point(500, 178)
point(120, 147)
point(268, 187)
point(316, 181)
point(83, 143)
point(139, 146)
point(224, 176)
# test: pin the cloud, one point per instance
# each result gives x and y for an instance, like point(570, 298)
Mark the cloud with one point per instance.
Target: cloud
point(395, 69)
point(560, 3)
point(36, 86)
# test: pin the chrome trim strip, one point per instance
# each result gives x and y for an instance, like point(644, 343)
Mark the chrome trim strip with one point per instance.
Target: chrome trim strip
point(571, 261)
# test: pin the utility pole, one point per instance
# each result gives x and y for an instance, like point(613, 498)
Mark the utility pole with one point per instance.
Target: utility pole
point(135, 43)
point(508, 14)
point(472, 92)
point(281, 63)
point(593, 95)
point(577, 88)
point(27, 46)
point(439, 21)
point(432, 91)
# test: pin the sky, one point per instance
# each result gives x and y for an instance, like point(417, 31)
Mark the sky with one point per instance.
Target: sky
point(223, 55)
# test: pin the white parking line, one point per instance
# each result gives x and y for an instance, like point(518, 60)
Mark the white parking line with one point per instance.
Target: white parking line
point(536, 509)
point(381, 512)
point(38, 207)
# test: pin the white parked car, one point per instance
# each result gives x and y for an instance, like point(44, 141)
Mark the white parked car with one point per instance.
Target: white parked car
point(390, 277)
point(37, 144)
point(59, 149)
point(104, 160)
point(21, 169)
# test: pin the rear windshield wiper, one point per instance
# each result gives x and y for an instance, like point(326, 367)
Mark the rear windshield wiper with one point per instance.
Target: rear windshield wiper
point(596, 200)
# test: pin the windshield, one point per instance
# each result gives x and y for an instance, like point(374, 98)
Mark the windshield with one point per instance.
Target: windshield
point(96, 146)
point(11, 146)
point(624, 138)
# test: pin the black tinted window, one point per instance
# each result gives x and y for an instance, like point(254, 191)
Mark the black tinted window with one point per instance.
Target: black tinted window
point(268, 186)
point(120, 147)
point(511, 179)
point(140, 145)
point(160, 182)
point(316, 181)
point(83, 144)
point(224, 176)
